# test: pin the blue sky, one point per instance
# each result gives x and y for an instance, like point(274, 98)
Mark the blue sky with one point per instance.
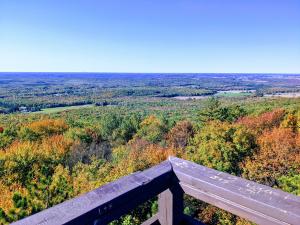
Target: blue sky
point(150, 35)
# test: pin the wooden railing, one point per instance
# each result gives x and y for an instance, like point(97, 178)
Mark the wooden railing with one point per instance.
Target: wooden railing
point(170, 180)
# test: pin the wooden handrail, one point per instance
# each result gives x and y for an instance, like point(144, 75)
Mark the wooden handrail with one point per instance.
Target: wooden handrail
point(108, 202)
point(170, 180)
point(258, 203)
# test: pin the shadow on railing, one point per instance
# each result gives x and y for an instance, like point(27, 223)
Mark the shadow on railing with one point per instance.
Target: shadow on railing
point(170, 180)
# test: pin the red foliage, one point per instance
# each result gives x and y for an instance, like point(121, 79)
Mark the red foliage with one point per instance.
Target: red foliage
point(1, 129)
point(278, 154)
point(267, 120)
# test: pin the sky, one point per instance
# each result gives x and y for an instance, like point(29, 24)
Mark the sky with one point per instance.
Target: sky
point(164, 36)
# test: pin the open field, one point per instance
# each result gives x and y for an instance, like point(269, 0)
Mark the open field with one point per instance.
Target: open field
point(62, 109)
point(30, 92)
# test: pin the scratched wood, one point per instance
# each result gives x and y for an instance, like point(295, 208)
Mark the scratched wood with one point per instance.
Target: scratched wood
point(108, 202)
point(256, 202)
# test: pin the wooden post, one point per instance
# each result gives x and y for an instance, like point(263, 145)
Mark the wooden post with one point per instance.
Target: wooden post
point(170, 206)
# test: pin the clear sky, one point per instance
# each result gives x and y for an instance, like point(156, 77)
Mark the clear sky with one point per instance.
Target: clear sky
point(150, 35)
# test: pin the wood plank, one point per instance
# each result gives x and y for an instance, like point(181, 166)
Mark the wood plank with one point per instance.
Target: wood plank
point(259, 203)
point(108, 202)
point(232, 207)
point(170, 206)
point(152, 221)
point(237, 195)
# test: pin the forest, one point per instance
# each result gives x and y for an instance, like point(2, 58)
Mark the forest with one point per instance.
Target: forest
point(47, 158)
point(30, 92)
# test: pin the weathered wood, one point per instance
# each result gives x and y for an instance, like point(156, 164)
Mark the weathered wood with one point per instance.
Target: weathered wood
point(256, 202)
point(108, 202)
point(170, 206)
point(232, 207)
point(152, 221)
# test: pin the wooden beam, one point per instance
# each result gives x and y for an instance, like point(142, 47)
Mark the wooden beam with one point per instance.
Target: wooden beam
point(250, 200)
point(232, 207)
point(152, 221)
point(108, 202)
point(170, 206)
point(258, 203)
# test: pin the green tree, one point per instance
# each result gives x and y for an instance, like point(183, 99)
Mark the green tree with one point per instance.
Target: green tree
point(290, 183)
point(128, 128)
point(211, 110)
point(221, 146)
point(60, 188)
point(7, 136)
point(152, 129)
point(215, 111)
point(109, 122)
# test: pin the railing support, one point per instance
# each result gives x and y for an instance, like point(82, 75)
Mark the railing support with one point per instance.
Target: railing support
point(170, 206)
point(172, 178)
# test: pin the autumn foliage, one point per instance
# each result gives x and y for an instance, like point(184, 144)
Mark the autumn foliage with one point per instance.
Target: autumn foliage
point(278, 155)
point(46, 161)
point(180, 134)
point(265, 121)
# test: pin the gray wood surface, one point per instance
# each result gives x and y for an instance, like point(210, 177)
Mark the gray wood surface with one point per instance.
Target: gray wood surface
point(108, 202)
point(169, 180)
point(170, 206)
point(250, 200)
point(152, 221)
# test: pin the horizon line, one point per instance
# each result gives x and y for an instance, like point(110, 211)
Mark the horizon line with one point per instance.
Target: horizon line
point(94, 72)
